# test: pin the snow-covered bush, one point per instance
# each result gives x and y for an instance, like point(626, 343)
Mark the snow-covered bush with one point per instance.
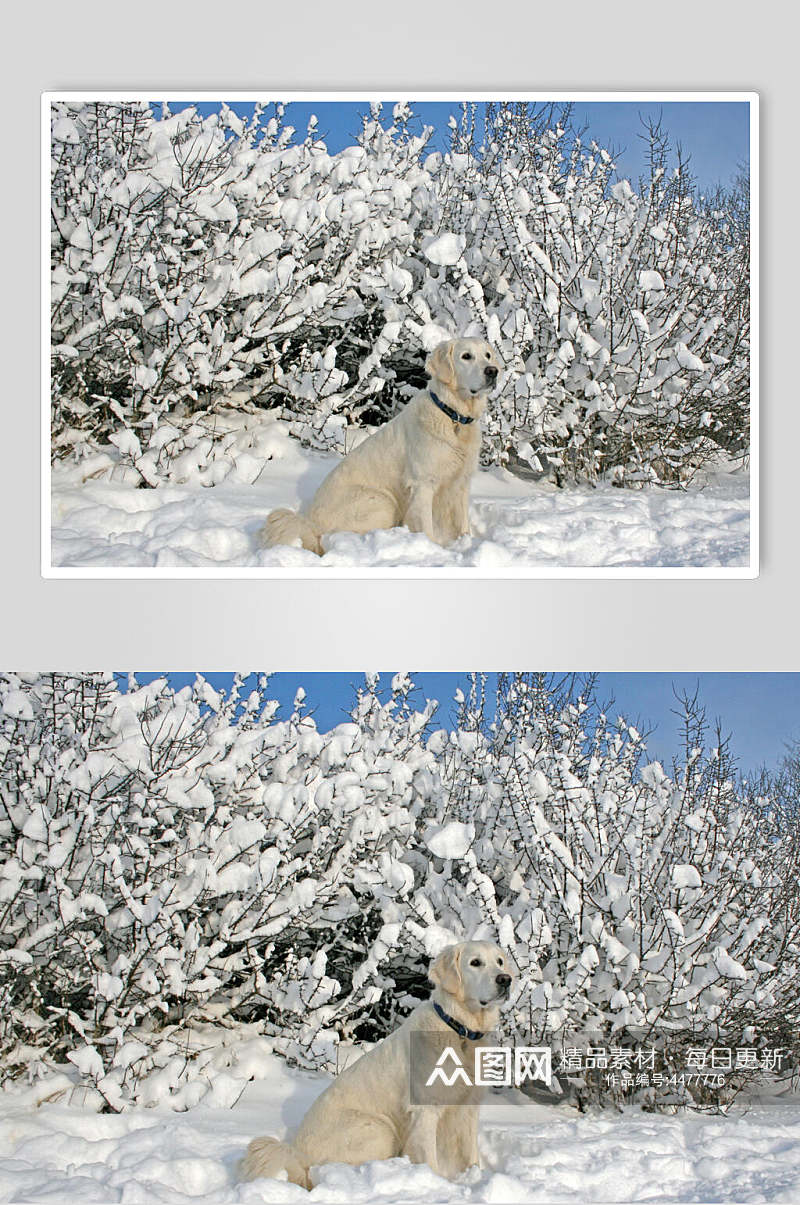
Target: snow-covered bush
point(203, 264)
point(646, 908)
point(172, 858)
point(624, 314)
point(167, 850)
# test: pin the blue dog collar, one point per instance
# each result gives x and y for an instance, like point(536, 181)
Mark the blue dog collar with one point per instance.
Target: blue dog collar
point(474, 1035)
point(463, 419)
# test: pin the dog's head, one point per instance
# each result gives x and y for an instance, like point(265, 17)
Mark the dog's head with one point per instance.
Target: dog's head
point(466, 367)
point(475, 976)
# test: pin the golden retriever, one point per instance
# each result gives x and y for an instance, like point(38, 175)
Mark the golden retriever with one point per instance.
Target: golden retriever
point(415, 470)
point(368, 1112)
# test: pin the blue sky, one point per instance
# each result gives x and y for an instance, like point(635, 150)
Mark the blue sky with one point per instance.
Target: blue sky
point(714, 133)
point(762, 711)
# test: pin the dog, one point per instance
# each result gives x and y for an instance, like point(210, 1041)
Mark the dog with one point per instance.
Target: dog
point(415, 470)
point(368, 1112)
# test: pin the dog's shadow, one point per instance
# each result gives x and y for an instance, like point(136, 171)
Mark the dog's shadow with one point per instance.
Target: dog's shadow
point(304, 1091)
point(289, 1111)
point(312, 472)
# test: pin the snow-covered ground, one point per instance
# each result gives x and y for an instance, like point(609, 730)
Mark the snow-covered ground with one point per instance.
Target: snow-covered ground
point(53, 1151)
point(517, 524)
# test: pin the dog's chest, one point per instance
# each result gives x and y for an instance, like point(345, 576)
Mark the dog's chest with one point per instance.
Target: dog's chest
point(454, 1060)
point(462, 446)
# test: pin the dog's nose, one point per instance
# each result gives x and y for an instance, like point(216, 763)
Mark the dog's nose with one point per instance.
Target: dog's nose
point(503, 980)
point(491, 372)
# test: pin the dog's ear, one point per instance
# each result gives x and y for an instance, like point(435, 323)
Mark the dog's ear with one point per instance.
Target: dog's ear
point(439, 364)
point(445, 971)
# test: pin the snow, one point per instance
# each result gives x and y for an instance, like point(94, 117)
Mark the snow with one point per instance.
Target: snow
point(17, 705)
point(685, 876)
point(59, 1149)
point(728, 967)
point(517, 524)
point(651, 281)
point(445, 250)
point(450, 840)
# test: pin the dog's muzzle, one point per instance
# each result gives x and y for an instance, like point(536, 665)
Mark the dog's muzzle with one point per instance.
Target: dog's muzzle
point(503, 984)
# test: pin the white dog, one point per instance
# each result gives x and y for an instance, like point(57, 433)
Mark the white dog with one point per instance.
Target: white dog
point(415, 470)
point(368, 1112)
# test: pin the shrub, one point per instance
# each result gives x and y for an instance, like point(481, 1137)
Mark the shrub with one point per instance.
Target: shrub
point(203, 266)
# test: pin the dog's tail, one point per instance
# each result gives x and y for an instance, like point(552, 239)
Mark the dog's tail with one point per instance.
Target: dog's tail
point(268, 1157)
point(287, 527)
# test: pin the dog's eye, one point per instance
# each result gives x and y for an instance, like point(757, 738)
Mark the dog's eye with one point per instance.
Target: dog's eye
point(476, 962)
point(466, 355)
point(499, 962)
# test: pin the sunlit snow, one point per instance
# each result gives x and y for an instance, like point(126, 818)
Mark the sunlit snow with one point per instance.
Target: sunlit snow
point(57, 1151)
point(516, 524)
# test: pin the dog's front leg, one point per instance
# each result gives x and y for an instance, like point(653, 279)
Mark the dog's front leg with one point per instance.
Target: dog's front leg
point(419, 512)
point(451, 511)
point(461, 509)
point(420, 1145)
point(465, 1134)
